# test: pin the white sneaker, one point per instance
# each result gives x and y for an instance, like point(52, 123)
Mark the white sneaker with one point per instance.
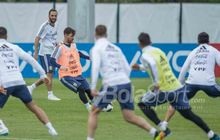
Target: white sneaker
point(3, 129)
point(53, 97)
point(53, 132)
point(30, 89)
point(109, 108)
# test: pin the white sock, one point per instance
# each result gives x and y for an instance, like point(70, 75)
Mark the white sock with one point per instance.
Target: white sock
point(87, 105)
point(163, 125)
point(88, 138)
point(50, 92)
point(153, 131)
point(49, 125)
point(33, 86)
point(210, 134)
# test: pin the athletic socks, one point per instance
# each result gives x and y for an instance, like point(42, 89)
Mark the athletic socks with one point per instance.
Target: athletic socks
point(210, 134)
point(153, 131)
point(88, 138)
point(163, 125)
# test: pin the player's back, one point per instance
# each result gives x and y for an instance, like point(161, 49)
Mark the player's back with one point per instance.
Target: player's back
point(202, 64)
point(166, 77)
point(9, 61)
point(114, 68)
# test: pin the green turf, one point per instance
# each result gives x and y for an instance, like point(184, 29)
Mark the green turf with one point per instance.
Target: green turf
point(69, 117)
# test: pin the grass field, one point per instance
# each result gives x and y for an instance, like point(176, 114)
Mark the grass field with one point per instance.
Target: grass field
point(69, 117)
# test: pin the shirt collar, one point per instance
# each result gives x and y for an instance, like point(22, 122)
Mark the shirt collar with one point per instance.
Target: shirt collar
point(146, 48)
point(101, 39)
point(2, 40)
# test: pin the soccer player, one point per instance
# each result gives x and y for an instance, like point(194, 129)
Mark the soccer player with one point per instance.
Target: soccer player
point(47, 36)
point(12, 82)
point(66, 57)
point(110, 62)
point(201, 64)
point(165, 88)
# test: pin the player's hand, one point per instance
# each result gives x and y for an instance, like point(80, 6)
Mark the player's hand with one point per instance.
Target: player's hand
point(36, 56)
point(135, 67)
point(2, 90)
point(94, 93)
point(46, 80)
point(64, 68)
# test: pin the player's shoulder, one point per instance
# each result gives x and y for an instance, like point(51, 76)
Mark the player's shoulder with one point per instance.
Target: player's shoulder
point(44, 25)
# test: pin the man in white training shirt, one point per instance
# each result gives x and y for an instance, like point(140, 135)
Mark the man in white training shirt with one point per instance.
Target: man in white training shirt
point(110, 62)
point(12, 82)
point(47, 36)
point(201, 65)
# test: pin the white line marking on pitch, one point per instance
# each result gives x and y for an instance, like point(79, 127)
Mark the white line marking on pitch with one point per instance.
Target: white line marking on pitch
point(2, 138)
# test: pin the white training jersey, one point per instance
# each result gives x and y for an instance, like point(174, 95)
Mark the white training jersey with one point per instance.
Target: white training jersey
point(201, 65)
point(10, 74)
point(48, 35)
point(110, 62)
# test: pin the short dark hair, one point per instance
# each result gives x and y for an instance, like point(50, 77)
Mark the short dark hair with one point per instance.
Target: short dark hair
point(3, 32)
point(203, 37)
point(69, 30)
point(52, 10)
point(101, 30)
point(144, 39)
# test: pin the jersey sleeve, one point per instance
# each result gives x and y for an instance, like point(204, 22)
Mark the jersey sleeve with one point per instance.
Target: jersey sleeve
point(28, 58)
point(185, 68)
point(149, 62)
point(42, 31)
point(96, 62)
point(126, 66)
point(217, 57)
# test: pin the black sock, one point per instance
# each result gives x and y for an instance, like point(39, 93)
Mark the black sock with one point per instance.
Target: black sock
point(82, 95)
point(150, 113)
point(188, 114)
point(88, 92)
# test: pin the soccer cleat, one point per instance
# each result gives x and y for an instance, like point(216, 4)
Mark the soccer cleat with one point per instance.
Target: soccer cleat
point(3, 129)
point(215, 137)
point(30, 89)
point(167, 132)
point(159, 136)
point(53, 97)
point(53, 132)
point(108, 108)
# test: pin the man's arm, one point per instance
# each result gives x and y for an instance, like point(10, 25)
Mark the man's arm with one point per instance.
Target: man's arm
point(36, 47)
point(28, 58)
point(185, 68)
point(126, 66)
point(96, 62)
point(54, 56)
point(83, 55)
point(151, 63)
point(217, 57)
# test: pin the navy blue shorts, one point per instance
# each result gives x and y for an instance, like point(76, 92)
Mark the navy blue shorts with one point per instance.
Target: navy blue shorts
point(74, 82)
point(211, 91)
point(177, 99)
point(123, 93)
point(45, 63)
point(20, 92)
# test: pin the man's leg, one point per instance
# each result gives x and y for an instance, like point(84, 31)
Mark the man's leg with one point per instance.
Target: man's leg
point(181, 103)
point(92, 123)
point(189, 115)
point(3, 129)
point(42, 116)
point(149, 112)
point(75, 86)
point(132, 118)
